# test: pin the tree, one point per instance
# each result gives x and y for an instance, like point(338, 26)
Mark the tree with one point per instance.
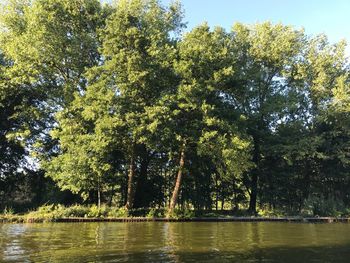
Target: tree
point(191, 115)
point(12, 152)
point(264, 77)
point(49, 45)
point(89, 160)
point(139, 49)
point(114, 105)
point(282, 80)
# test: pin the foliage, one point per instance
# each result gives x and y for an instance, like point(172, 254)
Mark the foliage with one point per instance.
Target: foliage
point(8, 211)
point(156, 213)
point(321, 206)
point(53, 212)
point(114, 105)
point(118, 212)
point(181, 214)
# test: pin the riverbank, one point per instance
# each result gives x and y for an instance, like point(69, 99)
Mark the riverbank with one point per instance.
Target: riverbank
point(26, 219)
point(92, 213)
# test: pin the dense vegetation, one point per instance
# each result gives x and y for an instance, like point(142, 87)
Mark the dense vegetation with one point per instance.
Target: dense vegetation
point(116, 105)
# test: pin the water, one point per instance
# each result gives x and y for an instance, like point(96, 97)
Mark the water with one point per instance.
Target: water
point(175, 242)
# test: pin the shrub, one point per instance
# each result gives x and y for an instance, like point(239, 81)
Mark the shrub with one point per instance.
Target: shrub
point(45, 213)
point(182, 214)
point(118, 212)
point(271, 213)
point(76, 211)
point(320, 206)
point(8, 211)
point(155, 212)
point(96, 211)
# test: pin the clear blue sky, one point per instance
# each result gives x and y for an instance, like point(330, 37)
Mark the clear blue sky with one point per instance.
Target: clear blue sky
point(331, 17)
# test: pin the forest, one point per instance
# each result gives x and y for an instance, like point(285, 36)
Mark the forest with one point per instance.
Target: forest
point(121, 105)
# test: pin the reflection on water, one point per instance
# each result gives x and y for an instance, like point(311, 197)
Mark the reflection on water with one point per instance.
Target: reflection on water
point(175, 242)
point(12, 249)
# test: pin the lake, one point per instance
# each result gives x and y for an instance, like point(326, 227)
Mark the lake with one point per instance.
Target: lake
point(175, 242)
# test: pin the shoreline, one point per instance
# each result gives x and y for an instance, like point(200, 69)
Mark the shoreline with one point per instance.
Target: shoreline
point(22, 219)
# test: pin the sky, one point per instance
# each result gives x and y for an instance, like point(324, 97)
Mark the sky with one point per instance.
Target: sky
point(331, 17)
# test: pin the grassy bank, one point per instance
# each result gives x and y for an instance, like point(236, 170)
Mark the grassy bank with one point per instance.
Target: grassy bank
point(53, 213)
point(60, 213)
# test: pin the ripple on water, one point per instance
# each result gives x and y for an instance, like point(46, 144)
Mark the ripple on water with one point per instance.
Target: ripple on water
point(175, 242)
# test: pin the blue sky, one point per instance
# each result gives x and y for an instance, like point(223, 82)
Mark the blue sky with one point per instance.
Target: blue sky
point(331, 17)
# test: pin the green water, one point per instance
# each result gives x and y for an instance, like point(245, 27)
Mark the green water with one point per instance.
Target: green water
point(175, 242)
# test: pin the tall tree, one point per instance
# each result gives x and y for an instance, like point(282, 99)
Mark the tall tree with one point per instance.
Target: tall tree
point(50, 44)
point(89, 161)
point(13, 99)
point(138, 49)
point(192, 115)
point(282, 80)
point(265, 72)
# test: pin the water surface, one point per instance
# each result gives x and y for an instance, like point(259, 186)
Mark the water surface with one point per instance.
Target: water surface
point(175, 242)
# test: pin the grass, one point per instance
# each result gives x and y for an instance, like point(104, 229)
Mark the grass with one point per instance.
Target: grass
point(55, 212)
point(51, 213)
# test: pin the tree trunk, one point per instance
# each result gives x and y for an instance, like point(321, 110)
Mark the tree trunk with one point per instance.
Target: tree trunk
point(255, 178)
point(254, 193)
point(131, 186)
point(234, 199)
point(111, 196)
point(217, 193)
point(98, 194)
point(98, 197)
point(141, 198)
point(176, 191)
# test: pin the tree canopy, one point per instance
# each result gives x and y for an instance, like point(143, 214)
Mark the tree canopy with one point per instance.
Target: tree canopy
point(119, 104)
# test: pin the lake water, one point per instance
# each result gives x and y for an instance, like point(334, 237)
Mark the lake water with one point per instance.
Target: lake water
point(175, 242)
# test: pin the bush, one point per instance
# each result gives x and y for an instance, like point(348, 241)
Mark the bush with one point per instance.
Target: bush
point(45, 213)
point(271, 213)
point(156, 212)
point(118, 212)
point(76, 211)
point(182, 214)
point(96, 211)
point(8, 211)
point(52, 212)
point(320, 206)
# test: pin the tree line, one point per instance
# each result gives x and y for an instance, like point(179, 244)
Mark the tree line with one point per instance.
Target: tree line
point(118, 104)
